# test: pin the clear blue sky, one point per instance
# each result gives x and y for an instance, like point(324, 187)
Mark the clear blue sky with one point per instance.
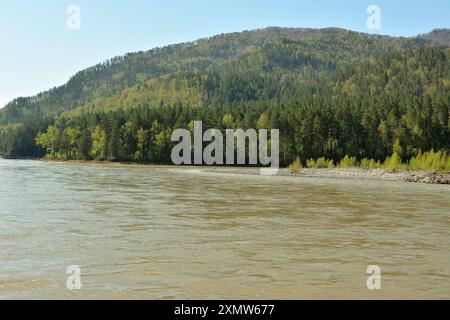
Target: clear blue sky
point(38, 51)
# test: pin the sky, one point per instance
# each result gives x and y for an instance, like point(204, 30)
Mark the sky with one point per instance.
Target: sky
point(42, 46)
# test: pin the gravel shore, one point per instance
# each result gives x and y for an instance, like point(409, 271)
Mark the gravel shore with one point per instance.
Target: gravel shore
point(354, 173)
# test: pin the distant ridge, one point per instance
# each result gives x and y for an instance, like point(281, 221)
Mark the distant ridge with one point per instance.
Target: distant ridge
point(120, 73)
point(331, 92)
point(438, 36)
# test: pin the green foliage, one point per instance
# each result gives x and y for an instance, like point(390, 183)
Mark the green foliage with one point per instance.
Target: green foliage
point(142, 146)
point(434, 161)
point(331, 93)
point(18, 140)
point(348, 162)
point(85, 144)
point(437, 161)
point(99, 144)
point(321, 163)
point(394, 162)
point(48, 140)
point(370, 164)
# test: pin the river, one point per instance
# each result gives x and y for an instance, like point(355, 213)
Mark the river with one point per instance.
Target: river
point(143, 232)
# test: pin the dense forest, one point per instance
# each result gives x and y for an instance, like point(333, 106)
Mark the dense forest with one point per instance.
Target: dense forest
point(331, 92)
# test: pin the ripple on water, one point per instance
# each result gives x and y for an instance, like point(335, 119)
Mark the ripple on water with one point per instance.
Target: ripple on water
point(154, 232)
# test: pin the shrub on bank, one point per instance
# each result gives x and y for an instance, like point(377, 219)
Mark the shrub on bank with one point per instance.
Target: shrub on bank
point(429, 161)
point(394, 162)
point(321, 163)
point(348, 162)
point(370, 164)
point(435, 161)
point(295, 166)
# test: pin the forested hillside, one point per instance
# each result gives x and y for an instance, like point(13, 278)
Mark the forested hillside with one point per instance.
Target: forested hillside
point(331, 92)
point(438, 36)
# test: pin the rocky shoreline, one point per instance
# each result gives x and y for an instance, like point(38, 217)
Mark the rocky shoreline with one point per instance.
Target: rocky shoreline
point(354, 173)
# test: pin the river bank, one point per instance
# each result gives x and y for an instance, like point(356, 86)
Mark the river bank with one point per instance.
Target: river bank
point(337, 173)
point(352, 173)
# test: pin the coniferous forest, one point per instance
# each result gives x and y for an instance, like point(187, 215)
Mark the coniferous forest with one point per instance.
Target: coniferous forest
point(332, 93)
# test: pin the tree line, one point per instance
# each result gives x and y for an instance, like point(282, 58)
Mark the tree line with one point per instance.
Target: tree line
point(328, 94)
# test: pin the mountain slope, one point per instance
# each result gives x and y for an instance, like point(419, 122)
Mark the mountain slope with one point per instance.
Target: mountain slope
point(117, 74)
point(438, 36)
point(331, 92)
